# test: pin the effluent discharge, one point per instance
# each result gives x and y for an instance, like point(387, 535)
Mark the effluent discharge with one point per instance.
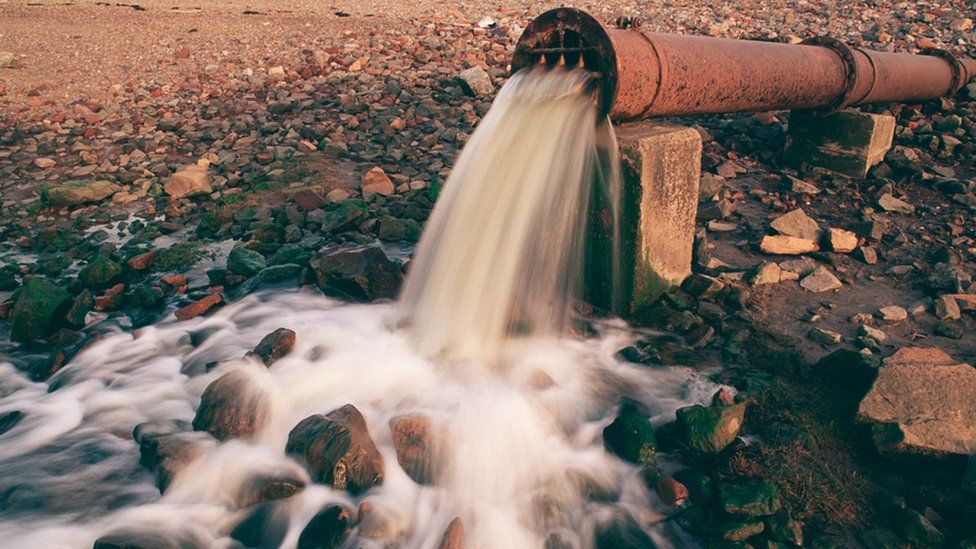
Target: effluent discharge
point(485, 347)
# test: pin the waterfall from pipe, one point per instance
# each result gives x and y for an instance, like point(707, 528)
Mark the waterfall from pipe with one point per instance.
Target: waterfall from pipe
point(478, 345)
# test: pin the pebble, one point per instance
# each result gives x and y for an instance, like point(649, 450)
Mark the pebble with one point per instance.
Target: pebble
point(892, 313)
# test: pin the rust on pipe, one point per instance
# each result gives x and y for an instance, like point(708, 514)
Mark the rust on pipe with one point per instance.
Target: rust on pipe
point(646, 74)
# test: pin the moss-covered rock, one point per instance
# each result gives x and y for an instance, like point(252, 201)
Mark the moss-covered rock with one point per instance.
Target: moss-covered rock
point(630, 436)
point(708, 430)
point(749, 498)
point(245, 262)
point(100, 273)
point(738, 531)
point(38, 311)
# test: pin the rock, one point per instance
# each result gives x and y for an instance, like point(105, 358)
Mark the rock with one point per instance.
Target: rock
point(165, 448)
point(671, 491)
point(961, 24)
point(946, 308)
point(138, 539)
point(823, 336)
point(787, 245)
point(798, 267)
point(414, 445)
point(328, 529)
point(364, 274)
point(245, 262)
point(393, 229)
point(630, 436)
point(749, 498)
point(710, 430)
point(800, 186)
point(338, 450)
point(922, 403)
point(79, 309)
point(966, 302)
point(44, 163)
point(702, 286)
point(781, 527)
point(476, 81)
point(850, 369)
point(232, 406)
point(892, 313)
point(199, 307)
point(100, 273)
point(276, 73)
point(768, 272)
point(190, 180)
point(260, 489)
point(6, 59)
point(841, 241)
point(74, 194)
point(453, 535)
point(735, 531)
point(275, 345)
point(951, 330)
point(820, 280)
point(873, 333)
point(38, 311)
point(868, 255)
point(916, 529)
point(891, 204)
point(376, 182)
point(141, 262)
point(797, 224)
point(264, 527)
point(9, 420)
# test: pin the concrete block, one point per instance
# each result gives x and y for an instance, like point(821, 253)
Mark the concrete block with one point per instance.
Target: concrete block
point(847, 142)
point(658, 205)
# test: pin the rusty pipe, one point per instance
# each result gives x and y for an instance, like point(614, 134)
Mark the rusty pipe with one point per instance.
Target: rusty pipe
point(645, 74)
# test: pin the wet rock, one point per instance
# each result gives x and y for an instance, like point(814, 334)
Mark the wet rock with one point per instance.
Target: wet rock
point(376, 182)
point(951, 330)
point(671, 491)
point(453, 535)
point(630, 436)
point(708, 430)
point(275, 345)
point(328, 529)
point(166, 447)
point(140, 539)
point(268, 488)
point(75, 194)
point(749, 498)
point(141, 262)
point(232, 406)
point(264, 527)
point(476, 81)
point(797, 224)
point(38, 311)
point(922, 403)
point(100, 273)
point(414, 445)
point(820, 280)
point(199, 307)
point(9, 420)
point(79, 309)
point(188, 181)
point(245, 262)
point(621, 532)
point(841, 241)
point(338, 450)
point(787, 245)
point(364, 274)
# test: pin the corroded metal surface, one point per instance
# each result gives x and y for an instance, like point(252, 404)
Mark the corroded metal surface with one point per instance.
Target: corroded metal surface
point(653, 74)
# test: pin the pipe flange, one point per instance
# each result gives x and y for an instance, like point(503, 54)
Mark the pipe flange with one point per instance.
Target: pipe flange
point(958, 69)
point(846, 55)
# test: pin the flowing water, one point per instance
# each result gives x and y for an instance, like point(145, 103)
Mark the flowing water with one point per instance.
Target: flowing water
point(484, 342)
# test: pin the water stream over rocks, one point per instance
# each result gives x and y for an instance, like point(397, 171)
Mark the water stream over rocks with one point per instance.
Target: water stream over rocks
point(463, 412)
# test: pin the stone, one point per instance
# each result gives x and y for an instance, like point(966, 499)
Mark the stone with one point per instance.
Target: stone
point(364, 274)
point(800, 186)
point(376, 182)
point(137, 539)
point(868, 255)
point(848, 142)
point(100, 273)
point(671, 491)
point(787, 245)
point(630, 436)
point(394, 229)
point(749, 498)
point(662, 171)
point(199, 307)
point(781, 527)
point(166, 448)
point(873, 333)
point(142, 261)
point(800, 266)
point(702, 286)
point(961, 24)
point(44, 163)
point(6, 58)
point(245, 262)
point(75, 194)
point(946, 307)
point(232, 406)
point(476, 82)
point(855, 369)
point(188, 181)
point(889, 203)
point(841, 241)
point(453, 537)
point(735, 531)
point(893, 313)
point(708, 430)
point(820, 280)
point(264, 526)
point(276, 73)
point(338, 450)
point(923, 402)
point(767, 272)
point(916, 529)
point(264, 488)
point(798, 224)
point(38, 311)
point(274, 346)
point(965, 302)
point(328, 529)
point(824, 336)
point(414, 445)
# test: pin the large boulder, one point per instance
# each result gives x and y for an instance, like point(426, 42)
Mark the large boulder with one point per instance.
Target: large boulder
point(361, 273)
point(923, 403)
point(74, 194)
point(188, 181)
point(630, 436)
point(39, 310)
point(245, 262)
point(338, 450)
point(232, 406)
point(708, 430)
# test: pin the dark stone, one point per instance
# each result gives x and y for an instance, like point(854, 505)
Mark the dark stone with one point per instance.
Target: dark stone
point(130, 539)
point(245, 262)
point(264, 528)
point(231, 407)
point(622, 532)
point(166, 447)
point(338, 450)
point(709, 430)
point(266, 488)
point(80, 307)
point(38, 311)
point(414, 445)
point(363, 274)
point(275, 345)
point(630, 436)
point(749, 498)
point(65, 345)
point(10, 420)
point(100, 274)
point(328, 529)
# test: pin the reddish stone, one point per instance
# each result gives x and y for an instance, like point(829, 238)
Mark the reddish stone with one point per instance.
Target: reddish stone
point(106, 302)
point(307, 199)
point(199, 307)
point(454, 535)
point(275, 345)
point(115, 290)
point(414, 447)
point(174, 280)
point(671, 491)
point(141, 262)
